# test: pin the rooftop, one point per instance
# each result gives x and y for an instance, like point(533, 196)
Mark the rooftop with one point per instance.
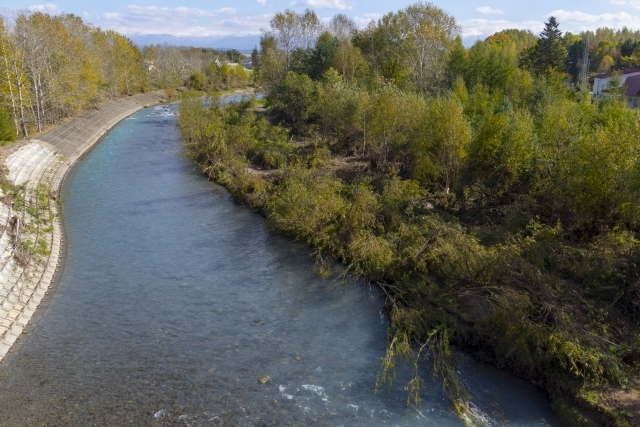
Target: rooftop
point(633, 86)
point(628, 71)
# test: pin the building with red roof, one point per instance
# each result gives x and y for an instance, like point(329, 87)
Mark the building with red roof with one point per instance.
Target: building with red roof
point(602, 82)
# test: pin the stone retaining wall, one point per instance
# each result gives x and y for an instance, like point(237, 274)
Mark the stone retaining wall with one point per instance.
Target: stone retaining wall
point(31, 234)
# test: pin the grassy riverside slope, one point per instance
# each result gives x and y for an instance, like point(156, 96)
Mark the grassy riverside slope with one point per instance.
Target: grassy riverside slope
point(533, 302)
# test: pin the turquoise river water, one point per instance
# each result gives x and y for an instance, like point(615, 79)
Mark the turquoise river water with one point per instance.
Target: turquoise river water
point(175, 301)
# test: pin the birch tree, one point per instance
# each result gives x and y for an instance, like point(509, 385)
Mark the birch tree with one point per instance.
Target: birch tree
point(16, 85)
point(285, 30)
point(421, 35)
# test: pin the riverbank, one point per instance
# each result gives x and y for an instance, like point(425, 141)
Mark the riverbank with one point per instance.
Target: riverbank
point(175, 301)
point(32, 240)
point(443, 282)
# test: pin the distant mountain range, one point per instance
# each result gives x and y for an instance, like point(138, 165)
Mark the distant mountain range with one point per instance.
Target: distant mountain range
point(244, 43)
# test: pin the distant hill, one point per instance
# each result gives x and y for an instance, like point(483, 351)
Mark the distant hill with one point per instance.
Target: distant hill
point(244, 43)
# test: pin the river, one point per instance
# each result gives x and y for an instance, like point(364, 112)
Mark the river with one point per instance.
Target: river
point(179, 307)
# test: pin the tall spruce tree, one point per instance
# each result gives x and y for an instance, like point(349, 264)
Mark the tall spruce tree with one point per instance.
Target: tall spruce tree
point(550, 52)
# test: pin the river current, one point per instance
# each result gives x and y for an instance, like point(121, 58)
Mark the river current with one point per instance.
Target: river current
point(178, 307)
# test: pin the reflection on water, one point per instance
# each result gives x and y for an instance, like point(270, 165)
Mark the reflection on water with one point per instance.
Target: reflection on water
point(178, 307)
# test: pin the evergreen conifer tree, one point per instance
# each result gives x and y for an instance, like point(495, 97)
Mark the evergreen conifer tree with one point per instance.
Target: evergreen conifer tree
point(550, 52)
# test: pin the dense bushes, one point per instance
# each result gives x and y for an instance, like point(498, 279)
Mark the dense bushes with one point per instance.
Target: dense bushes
point(530, 275)
point(499, 214)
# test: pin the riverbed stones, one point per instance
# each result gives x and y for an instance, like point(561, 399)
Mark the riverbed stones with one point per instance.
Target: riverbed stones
point(41, 166)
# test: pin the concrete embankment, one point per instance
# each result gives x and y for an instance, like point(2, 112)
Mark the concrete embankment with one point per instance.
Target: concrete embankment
point(31, 239)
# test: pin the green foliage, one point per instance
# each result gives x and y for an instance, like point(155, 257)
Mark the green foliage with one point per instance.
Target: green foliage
point(395, 124)
point(440, 156)
point(420, 36)
point(494, 208)
point(198, 81)
point(7, 128)
point(340, 109)
point(523, 39)
point(458, 61)
point(322, 55)
point(550, 52)
point(502, 150)
point(54, 66)
point(575, 55)
point(222, 77)
point(495, 63)
point(569, 415)
point(309, 207)
point(294, 96)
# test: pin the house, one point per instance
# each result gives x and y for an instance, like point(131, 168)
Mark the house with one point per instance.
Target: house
point(633, 91)
point(227, 63)
point(601, 81)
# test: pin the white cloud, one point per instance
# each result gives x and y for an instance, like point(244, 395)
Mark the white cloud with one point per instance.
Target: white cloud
point(177, 12)
point(262, 2)
point(486, 27)
point(486, 10)
point(635, 4)
point(111, 15)
point(181, 21)
point(324, 4)
point(46, 8)
point(576, 21)
point(366, 18)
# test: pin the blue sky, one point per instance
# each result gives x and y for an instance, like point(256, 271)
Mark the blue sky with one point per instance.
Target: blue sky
point(245, 17)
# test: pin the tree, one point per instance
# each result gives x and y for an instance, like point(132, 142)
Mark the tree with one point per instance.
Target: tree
point(395, 126)
point(35, 37)
point(492, 63)
point(130, 77)
point(347, 58)
point(458, 61)
point(255, 59)
point(523, 39)
point(294, 96)
point(606, 64)
point(422, 35)
point(309, 28)
point(197, 81)
point(285, 31)
point(575, 55)
point(272, 62)
point(14, 79)
point(322, 56)
point(635, 56)
point(550, 52)
point(627, 47)
point(234, 55)
point(448, 135)
point(339, 107)
point(605, 48)
point(382, 58)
